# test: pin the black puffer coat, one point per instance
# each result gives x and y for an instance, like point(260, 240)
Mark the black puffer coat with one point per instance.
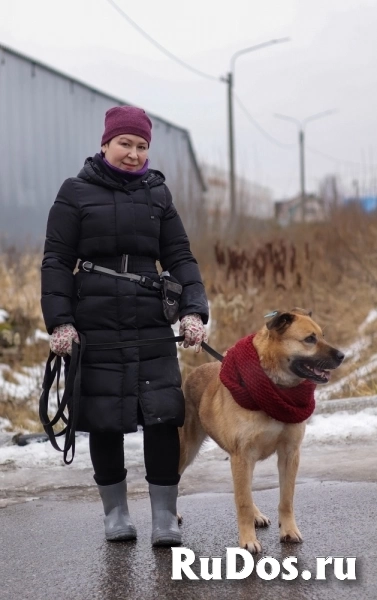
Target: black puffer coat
point(98, 216)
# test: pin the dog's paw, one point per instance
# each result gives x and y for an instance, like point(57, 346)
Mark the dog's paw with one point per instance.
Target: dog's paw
point(180, 519)
point(290, 535)
point(254, 547)
point(261, 520)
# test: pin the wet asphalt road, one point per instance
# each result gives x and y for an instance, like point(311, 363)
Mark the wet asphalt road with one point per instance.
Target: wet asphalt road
point(55, 550)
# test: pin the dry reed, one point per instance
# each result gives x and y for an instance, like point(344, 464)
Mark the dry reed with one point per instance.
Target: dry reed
point(249, 268)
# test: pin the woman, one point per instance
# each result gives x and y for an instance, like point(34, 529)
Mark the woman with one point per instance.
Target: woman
point(118, 215)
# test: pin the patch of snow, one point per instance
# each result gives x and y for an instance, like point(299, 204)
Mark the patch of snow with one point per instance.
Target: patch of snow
point(28, 384)
point(352, 380)
point(5, 424)
point(4, 315)
point(353, 351)
point(37, 335)
point(342, 426)
point(42, 454)
point(372, 316)
point(350, 404)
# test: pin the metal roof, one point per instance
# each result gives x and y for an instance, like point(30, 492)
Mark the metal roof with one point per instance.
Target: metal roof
point(36, 63)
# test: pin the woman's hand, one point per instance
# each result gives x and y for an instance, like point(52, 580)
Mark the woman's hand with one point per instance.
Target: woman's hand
point(192, 328)
point(61, 339)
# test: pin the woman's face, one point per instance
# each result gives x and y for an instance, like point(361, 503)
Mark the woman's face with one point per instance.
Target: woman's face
point(127, 151)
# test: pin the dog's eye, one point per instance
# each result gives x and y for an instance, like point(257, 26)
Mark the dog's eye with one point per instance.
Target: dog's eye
point(311, 339)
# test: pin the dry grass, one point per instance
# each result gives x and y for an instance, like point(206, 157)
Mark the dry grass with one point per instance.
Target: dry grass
point(33, 354)
point(8, 376)
point(249, 268)
point(23, 417)
point(20, 290)
point(367, 388)
point(20, 277)
point(327, 267)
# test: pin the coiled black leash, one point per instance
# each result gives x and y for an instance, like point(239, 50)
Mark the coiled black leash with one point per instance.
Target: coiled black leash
point(72, 389)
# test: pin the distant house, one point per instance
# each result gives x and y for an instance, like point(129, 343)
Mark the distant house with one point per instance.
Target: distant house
point(252, 200)
point(290, 211)
point(49, 124)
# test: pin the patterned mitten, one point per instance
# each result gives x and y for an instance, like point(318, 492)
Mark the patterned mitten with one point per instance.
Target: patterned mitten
point(192, 328)
point(61, 339)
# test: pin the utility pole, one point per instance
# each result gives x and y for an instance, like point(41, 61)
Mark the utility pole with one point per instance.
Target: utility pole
point(229, 80)
point(355, 184)
point(232, 177)
point(301, 142)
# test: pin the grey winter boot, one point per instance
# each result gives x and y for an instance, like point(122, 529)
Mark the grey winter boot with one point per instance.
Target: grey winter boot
point(118, 524)
point(165, 531)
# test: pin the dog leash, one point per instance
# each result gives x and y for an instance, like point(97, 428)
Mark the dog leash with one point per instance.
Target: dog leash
point(72, 388)
point(138, 343)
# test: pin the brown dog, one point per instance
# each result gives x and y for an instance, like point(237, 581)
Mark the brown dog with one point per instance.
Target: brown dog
point(291, 350)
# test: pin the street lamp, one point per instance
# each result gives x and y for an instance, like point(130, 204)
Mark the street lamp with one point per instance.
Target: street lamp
point(229, 80)
point(301, 141)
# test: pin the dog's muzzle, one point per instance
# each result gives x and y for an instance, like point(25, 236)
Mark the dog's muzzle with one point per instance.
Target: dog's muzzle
point(317, 369)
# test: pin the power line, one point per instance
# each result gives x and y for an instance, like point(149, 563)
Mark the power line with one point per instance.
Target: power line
point(282, 145)
point(219, 79)
point(338, 160)
point(260, 128)
point(159, 46)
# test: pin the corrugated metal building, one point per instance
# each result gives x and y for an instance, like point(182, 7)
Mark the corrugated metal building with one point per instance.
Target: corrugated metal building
point(49, 124)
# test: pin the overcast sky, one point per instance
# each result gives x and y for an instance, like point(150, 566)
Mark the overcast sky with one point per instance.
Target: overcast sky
point(330, 63)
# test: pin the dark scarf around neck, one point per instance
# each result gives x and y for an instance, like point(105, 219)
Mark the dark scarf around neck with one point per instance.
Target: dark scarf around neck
point(118, 175)
point(243, 376)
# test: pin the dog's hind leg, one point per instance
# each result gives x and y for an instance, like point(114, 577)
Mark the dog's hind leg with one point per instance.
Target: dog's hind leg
point(242, 471)
point(288, 462)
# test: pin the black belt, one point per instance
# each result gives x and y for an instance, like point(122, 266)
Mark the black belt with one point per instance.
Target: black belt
point(143, 280)
point(124, 263)
point(72, 388)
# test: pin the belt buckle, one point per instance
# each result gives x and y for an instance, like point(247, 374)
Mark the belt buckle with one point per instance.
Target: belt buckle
point(145, 281)
point(124, 264)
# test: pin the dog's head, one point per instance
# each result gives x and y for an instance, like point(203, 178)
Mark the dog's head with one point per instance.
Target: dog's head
point(291, 347)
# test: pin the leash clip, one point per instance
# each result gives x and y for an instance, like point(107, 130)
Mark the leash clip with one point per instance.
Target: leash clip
point(271, 314)
point(89, 268)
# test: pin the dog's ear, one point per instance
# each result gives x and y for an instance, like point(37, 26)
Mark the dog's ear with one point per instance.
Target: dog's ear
point(280, 322)
point(302, 311)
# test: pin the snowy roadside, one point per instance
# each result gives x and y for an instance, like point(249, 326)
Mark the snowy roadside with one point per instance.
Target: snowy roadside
point(344, 425)
point(351, 422)
point(37, 469)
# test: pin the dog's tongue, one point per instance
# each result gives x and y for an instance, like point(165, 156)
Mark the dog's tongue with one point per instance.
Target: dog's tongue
point(322, 373)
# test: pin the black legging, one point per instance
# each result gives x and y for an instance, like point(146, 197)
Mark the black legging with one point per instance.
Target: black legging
point(161, 456)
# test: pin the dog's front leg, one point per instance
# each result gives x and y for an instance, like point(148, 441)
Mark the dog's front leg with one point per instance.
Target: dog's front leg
point(288, 462)
point(242, 471)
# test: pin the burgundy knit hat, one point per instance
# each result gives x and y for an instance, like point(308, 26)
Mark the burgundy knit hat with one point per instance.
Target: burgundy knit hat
point(126, 119)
